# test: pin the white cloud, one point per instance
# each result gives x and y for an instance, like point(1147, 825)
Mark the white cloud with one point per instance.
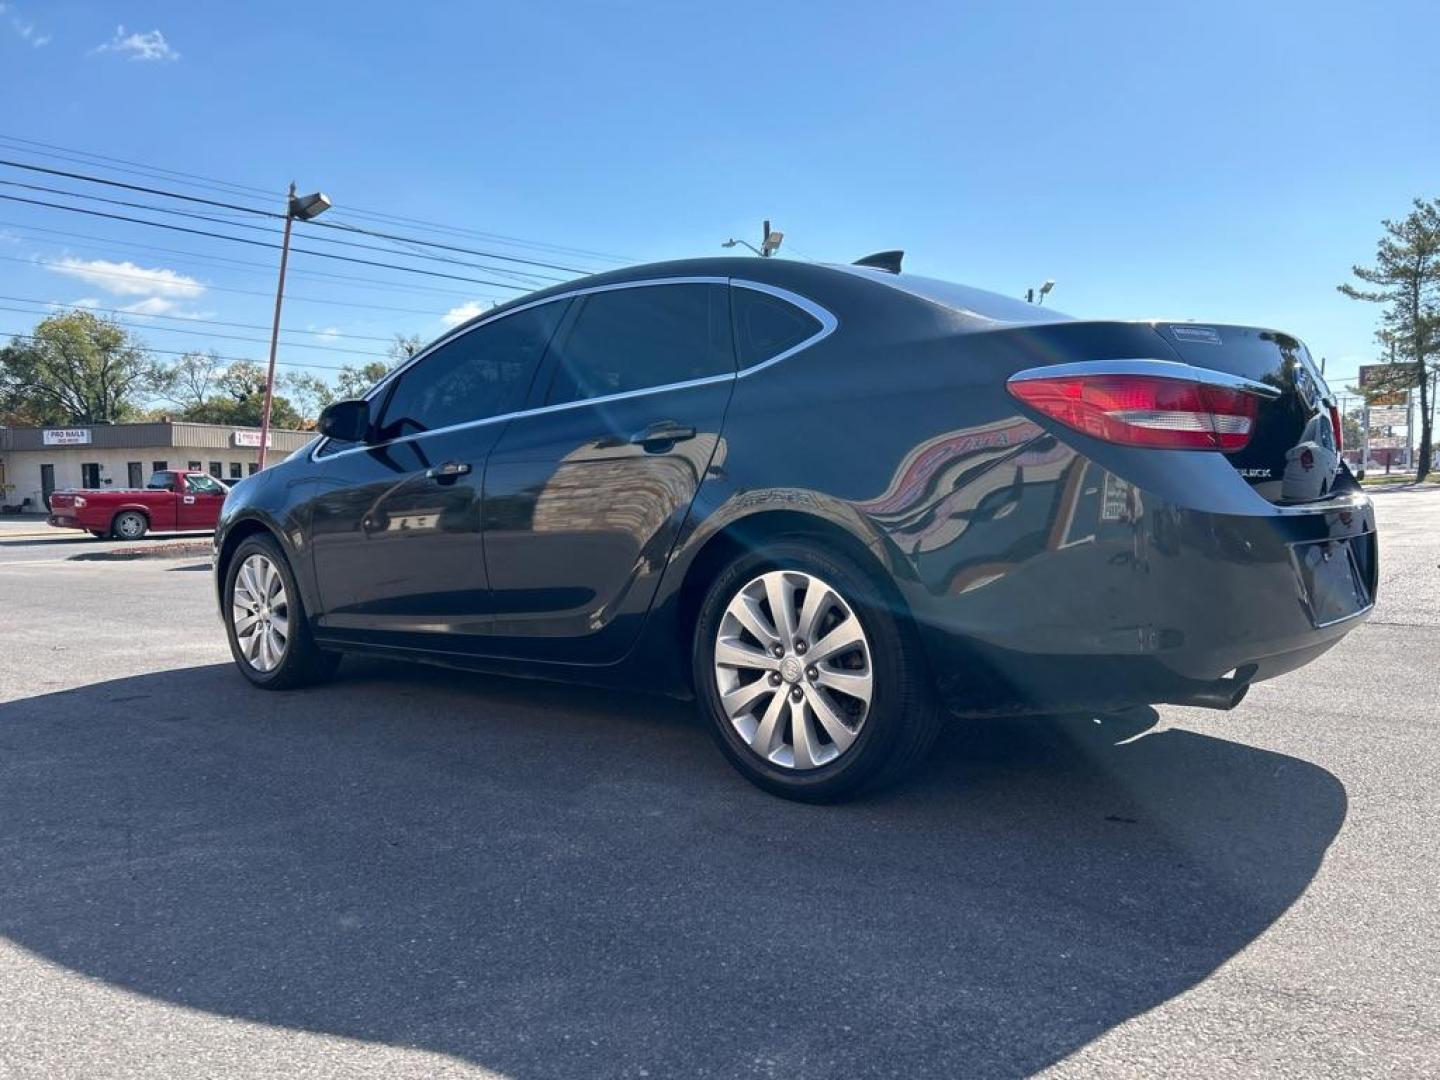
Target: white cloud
point(151, 46)
point(83, 302)
point(25, 28)
point(126, 278)
point(456, 315)
point(151, 305)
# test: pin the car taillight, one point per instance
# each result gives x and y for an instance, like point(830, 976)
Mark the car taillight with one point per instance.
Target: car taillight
point(79, 502)
point(1144, 410)
point(1338, 428)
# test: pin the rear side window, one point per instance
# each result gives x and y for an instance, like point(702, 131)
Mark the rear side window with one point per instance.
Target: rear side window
point(634, 339)
point(766, 326)
point(480, 374)
point(161, 481)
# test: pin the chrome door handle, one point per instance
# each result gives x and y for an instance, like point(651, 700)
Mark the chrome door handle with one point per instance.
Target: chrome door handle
point(448, 471)
point(661, 436)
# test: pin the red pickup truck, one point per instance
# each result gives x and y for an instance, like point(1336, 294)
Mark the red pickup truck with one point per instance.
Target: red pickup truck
point(176, 500)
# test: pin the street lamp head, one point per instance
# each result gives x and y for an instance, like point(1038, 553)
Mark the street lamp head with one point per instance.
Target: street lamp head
point(309, 207)
point(1045, 289)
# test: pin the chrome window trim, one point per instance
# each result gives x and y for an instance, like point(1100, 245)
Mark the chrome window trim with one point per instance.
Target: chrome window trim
point(1165, 369)
point(828, 325)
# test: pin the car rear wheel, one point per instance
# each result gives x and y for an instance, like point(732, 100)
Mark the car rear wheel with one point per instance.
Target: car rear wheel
point(813, 686)
point(265, 620)
point(129, 525)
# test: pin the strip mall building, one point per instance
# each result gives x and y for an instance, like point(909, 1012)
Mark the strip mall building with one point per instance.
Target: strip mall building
point(36, 461)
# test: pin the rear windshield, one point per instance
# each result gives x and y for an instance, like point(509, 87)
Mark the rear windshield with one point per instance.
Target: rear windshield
point(986, 307)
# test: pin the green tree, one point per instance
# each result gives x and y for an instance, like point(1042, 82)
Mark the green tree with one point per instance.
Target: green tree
point(1406, 279)
point(240, 400)
point(192, 380)
point(309, 393)
point(355, 379)
point(76, 368)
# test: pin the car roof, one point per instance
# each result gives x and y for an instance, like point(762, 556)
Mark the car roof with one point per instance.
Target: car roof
point(978, 308)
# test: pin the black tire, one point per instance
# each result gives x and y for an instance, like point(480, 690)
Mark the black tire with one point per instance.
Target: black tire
point(129, 525)
point(903, 718)
point(303, 663)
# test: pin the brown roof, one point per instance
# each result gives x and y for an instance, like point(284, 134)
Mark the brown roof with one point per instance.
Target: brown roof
point(160, 433)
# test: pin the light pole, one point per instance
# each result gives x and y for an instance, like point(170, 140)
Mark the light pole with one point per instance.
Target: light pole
point(306, 208)
point(1031, 298)
point(769, 242)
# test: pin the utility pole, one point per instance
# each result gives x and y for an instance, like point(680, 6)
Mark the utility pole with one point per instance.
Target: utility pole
point(306, 208)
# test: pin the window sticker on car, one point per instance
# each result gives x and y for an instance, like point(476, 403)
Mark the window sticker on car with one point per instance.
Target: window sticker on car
point(1203, 335)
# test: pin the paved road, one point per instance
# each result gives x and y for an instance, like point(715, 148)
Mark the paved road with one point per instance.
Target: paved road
point(413, 873)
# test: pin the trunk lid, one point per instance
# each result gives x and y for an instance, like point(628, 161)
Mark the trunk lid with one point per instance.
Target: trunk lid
point(1292, 456)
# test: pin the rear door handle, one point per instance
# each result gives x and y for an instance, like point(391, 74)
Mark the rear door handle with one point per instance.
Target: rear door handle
point(662, 435)
point(448, 472)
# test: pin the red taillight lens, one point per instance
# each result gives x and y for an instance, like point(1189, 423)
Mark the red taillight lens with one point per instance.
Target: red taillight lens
point(1338, 427)
point(1145, 410)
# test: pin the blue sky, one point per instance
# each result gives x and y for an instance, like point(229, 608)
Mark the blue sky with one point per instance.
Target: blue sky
point(1224, 161)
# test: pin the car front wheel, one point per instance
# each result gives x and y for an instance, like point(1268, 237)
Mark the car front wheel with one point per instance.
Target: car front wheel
point(810, 678)
point(265, 620)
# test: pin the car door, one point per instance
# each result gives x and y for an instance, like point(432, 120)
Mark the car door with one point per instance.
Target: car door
point(395, 521)
point(199, 506)
point(586, 492)
point(163, 493)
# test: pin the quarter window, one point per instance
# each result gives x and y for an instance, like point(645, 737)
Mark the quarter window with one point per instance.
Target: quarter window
point(766, 326)
point(480, 374)
point(636, 338)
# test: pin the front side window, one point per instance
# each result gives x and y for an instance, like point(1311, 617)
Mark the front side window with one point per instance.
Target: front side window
point(766, 326)
point(642, 337)
point(480, 374)
point(198, 484)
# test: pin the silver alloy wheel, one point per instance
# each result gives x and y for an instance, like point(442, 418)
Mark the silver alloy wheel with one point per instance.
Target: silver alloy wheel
point(260, 611)
point(130, 526)
point(792, 665)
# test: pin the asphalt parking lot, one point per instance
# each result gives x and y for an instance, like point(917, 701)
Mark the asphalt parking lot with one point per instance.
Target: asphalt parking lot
point(419, 873)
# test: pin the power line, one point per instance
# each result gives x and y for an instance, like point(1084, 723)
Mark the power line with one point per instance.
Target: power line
point(528, 278)
point(196, 333)
point(86, 157)
point(228, 359)
point(444, 247)
point(261, 243)
point(115, 164)
point(240, 292)
point(273, 214)
point(192, 319)
point(250, 267)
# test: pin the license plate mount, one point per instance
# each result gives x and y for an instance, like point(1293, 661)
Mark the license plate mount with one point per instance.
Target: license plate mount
point(1332, 588)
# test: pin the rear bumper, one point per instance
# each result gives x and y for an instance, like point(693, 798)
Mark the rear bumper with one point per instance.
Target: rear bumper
point(66, 521)
point(1148, 608)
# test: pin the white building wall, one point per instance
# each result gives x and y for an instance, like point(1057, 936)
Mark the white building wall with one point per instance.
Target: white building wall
point(22, 467)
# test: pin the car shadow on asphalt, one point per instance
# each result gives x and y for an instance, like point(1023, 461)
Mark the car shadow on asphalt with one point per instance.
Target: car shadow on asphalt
point(550, 881)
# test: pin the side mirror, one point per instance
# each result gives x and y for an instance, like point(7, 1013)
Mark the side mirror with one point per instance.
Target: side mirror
point(347, 421)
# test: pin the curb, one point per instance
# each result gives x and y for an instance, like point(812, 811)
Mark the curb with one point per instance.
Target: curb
point(163, 551)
